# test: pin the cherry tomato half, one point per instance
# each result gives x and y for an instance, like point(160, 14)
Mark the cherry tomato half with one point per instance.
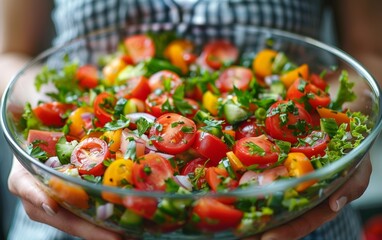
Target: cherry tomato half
point(249, 128)
point(256, 150)
point(154, 103)
point(173, 133)
point(139, 47)
point(103, 107)
point(151, 172)
point(88, 156)
point(87, 76)
point(137, 87)
point(79, 121)
point(157, 80)
point(210, 147)
point(302, 92)
point(237, 76)
point(215, 216)
point(219, 52)
point(52, 114)
point(287, 120)
point(315, 144)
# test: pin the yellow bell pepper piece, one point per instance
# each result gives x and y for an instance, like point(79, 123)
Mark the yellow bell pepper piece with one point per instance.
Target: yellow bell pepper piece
point(210, 102)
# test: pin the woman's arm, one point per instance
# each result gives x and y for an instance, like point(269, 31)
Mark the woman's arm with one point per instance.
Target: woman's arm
point(25, 30)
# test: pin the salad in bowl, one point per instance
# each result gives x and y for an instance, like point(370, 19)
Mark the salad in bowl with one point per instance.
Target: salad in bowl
point(170, 135)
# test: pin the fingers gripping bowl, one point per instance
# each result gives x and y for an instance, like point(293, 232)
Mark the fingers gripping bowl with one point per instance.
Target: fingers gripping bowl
point(265, 176)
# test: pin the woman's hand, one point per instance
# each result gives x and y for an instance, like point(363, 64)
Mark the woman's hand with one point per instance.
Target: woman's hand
point(327, 210)
point(40, 207)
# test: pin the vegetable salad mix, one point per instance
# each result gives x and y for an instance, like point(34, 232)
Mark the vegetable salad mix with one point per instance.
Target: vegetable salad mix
point(157, 116)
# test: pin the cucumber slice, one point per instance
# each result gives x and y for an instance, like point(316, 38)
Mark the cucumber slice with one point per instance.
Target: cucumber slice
point(234, 114)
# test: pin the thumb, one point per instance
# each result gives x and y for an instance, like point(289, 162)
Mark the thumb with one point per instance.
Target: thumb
point(354, 187)
point(24, 185)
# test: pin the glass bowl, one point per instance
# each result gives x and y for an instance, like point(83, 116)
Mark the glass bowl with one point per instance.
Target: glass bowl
point(175, 219)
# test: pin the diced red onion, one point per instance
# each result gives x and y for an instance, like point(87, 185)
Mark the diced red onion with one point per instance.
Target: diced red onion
point(53, 162)
point(135, 116)
point(105, 211)
point(165, 155)
point(184, 181)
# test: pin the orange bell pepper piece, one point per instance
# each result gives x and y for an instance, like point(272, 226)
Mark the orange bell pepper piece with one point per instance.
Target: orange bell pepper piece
point(68, 193)
point(262, 64)
point(299, 165)
point(339, 117)
point(289, 77)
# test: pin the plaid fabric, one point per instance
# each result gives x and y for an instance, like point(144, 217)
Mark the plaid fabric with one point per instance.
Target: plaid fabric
point(199, 18)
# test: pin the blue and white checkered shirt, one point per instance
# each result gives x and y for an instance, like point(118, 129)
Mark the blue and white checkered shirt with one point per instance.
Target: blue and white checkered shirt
point(75, 18)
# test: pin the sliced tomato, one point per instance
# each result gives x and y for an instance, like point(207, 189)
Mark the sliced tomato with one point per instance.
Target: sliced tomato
point(304, 92)
point(139, 47)
point(236, 76)
point(87, 76)
point(219, 52)
point(216, 176)
point(53, 114)
point(194, 164)
point(137, 87)
point(287, 120)
point(210, 147)
point(158, 80)
point(249, 128)
point(215, 216)
point(79, 121)
point(313, 145)
point(151, 172)
point(143, 206)
point(173, 133)
point(103, 107)
point(256, 150)
point(154, 103)
point(46, 140)
point(319, 82)
point(88, 156)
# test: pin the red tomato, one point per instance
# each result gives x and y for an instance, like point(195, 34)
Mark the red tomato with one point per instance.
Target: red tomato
point(249, 128)
point(157, 80)
point(173, 133)
point(287, 121)
point(88, 156)
point(256, 150)
point(45, 140)
point(302, 91)
point(139, 47)
point(52, 114)
point(154, 103)
point(87, 76)
point(198, 163)
point(103, 107)
point(240, 77)
point(151, 172)
point(194, 164)
point(318, 81)
point(210, 147)
point(215, 177)
point(143, 206)
point(215, 216)
point(137, 87)
point(315, 144)
point(219, 52)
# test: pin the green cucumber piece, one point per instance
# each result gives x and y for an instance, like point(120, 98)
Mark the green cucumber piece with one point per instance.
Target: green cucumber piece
point(234, 113)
